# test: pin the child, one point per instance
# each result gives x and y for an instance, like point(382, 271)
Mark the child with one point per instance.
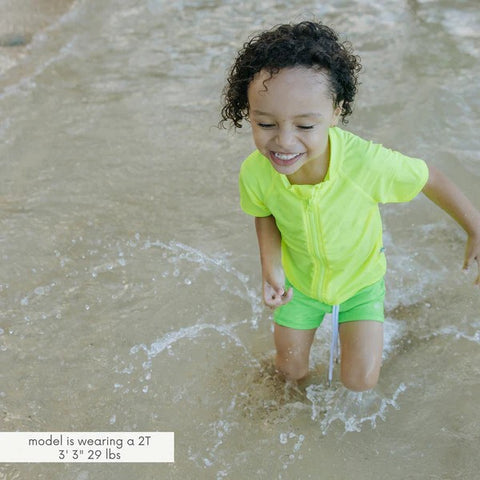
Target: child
point(314, 191)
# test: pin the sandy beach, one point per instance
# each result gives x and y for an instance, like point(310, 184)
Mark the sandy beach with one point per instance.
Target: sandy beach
point(27, 17)
point(20, 20)
point(130, 282)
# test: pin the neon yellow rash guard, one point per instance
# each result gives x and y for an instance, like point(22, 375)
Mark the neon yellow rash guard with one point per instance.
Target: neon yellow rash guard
point(332, 244)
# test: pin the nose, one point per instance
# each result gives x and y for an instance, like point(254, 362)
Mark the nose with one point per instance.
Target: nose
point(285, 137)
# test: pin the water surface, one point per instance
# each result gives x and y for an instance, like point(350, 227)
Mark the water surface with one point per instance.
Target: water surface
point(130, 284)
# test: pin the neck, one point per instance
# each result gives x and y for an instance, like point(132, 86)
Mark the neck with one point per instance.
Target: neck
point(312, 172)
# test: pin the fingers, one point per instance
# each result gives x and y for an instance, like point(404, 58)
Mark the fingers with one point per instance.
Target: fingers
point(472, 254)
point(276, 298)
point(466, 266)
point(467, 261)
point(288, 295)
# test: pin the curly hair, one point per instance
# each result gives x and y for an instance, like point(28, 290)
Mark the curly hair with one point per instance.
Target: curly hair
point(306, 44)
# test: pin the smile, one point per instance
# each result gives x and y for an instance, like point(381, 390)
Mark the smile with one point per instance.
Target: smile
point(284, 159)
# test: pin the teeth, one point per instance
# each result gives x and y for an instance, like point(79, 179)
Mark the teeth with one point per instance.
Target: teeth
point(286, 156)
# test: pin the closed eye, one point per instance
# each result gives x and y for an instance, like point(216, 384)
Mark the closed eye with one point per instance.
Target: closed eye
point(305, 127)
point(265, 125)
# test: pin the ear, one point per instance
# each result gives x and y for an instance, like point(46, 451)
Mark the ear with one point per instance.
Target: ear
point(336, 114)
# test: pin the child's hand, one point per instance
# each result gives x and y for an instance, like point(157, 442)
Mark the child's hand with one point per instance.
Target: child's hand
point(274, 294)
point(472, 253)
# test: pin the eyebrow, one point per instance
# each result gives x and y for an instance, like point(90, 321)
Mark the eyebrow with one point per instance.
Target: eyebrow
point(302, 115)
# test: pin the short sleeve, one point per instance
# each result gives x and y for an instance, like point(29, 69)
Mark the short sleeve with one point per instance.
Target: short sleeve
point(251, 190)
point(410, 177)
point(395, 177)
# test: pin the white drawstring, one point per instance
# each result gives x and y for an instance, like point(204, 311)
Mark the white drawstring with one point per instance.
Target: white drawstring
point(334, 350)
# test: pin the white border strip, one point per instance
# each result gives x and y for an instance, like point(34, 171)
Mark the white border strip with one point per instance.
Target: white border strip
point(87, 447)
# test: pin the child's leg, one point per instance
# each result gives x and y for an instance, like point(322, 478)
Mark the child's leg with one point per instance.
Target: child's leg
point(361, 353)
point(293, 351)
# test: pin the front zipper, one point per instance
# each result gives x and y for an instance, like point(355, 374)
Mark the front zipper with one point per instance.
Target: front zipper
point(323, 286)
point(313, 226)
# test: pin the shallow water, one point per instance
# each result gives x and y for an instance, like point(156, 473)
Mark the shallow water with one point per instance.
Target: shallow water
point(129, 282)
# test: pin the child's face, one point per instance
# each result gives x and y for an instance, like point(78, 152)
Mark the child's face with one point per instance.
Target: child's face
point(290, 121)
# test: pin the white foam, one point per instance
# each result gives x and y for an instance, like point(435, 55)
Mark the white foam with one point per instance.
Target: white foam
point(456, 332)
point(177, 251)
point(353, 409)
point(194, 331)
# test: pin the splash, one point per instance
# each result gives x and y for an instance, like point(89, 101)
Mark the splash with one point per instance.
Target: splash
point(223, 270)
point(258, 393)
point(195, 331)
point(350, 408)
point(454, 331)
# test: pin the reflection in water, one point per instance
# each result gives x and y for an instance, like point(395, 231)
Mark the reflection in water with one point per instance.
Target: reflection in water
point(130, 284)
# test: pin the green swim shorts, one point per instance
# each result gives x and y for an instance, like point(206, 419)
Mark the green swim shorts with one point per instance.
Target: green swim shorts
point(305, 313)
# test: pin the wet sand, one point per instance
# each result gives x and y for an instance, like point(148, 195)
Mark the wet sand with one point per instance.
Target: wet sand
point(20, 21)
point(27, 17)
point(129, 277)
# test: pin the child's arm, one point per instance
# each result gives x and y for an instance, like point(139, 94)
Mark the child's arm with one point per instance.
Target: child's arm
point(442, 191)
point(273, 276)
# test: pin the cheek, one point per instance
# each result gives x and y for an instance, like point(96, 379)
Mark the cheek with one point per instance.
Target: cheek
point(259, 137)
